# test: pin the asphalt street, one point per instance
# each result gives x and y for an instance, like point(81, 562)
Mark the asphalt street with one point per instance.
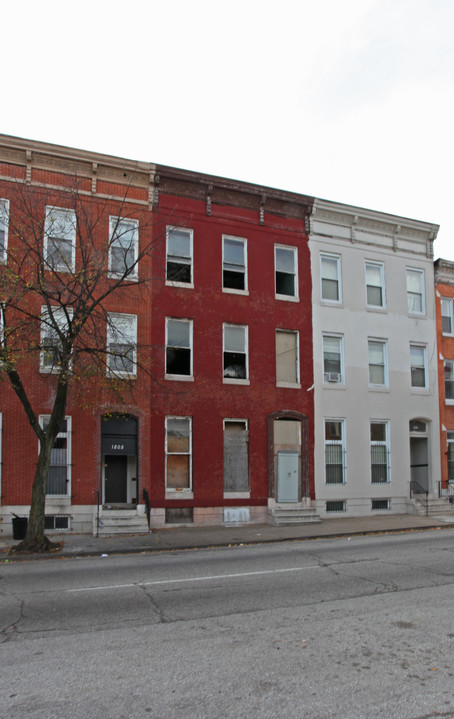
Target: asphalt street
point(349, 627)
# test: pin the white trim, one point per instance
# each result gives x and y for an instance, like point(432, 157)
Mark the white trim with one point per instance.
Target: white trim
point(284, 383)
point(336, 443)
point(171, 490)
point(384, 345)
point(114, 224)
point(381, 267)
point(327, 380)
point(170, 375)
point(337, 259)
point(68, 219)
point(129, 337)
point(190, 232)
point(295, 296)
point(423, 347)
point(4, 224)
point(59, 316)
point(421, 293)
point(243, 241)
point(68, 436)
point(236, 380)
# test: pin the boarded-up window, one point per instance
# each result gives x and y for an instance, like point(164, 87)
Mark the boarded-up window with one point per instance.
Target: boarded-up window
point(236, 461)
point(178, 452)
point(286, 357)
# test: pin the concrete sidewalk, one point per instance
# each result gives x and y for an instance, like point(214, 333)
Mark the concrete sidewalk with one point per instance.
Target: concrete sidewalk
point(179, 538)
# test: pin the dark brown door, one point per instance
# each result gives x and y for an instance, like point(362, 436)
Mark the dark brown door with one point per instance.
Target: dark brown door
point(115, 479)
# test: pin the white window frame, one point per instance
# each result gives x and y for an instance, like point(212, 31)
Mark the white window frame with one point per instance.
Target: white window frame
point(380, 443)
point(235, 380)
point(411, 295)
point(450, 364)
point(115, 224)
point(335, 443)
point(284, 383)
point(446, 303)
point(68, 436)
point(171, 375)
point(47, 332)
point(4, 226)
point(337, 260)
point(294, 250)
point(371, 264)
point(178, 490)
point(117, 336)
point(450, 454)
point(384, 345)
point(423, 352)
point(187, 260)
point(69, 221)
point(328, 377)
point(243, 494)
point(243, 271)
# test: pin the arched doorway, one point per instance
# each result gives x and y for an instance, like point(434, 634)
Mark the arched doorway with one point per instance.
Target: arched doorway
point(119, 460)
point(419, 455)
point(288, 466)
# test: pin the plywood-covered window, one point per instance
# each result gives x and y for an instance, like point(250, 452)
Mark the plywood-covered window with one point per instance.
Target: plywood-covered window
point(236, 456)
point(178, 453)
point(287, 365)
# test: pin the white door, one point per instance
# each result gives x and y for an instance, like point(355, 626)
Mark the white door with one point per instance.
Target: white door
point(287, 476)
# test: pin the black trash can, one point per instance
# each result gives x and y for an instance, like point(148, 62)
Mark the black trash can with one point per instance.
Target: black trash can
point(20, 525)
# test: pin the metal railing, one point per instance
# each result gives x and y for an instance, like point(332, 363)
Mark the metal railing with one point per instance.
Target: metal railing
point(419, 494)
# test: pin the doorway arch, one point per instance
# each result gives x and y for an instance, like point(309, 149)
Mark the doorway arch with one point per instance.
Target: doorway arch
point(288, 459)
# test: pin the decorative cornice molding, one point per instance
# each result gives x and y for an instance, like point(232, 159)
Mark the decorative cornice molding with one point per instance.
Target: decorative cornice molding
point(444, 272)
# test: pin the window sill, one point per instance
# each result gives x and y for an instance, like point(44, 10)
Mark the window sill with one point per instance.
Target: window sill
point(179, 494)
point(372, 308)
point(331, 303)
point(129, 278)
point(287, 298)
point(378, 388)
point(289, 385)
point(418, 315)
point(449, 402)
point(183, 285)
point(333, 385)
point(233, 380)
point(179, 378)
point(232, 291)
point(121, 375)
point(237, 495)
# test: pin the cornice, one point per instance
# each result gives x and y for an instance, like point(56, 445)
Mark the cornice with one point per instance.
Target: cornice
point(444, 272)
point(359, 225)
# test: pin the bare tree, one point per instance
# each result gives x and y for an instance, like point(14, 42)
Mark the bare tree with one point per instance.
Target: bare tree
point(64, 273)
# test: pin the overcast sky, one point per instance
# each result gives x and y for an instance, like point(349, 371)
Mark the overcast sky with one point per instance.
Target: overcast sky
point(350, 101)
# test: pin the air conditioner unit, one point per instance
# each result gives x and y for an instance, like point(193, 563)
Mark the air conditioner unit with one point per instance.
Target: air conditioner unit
point(333, 377)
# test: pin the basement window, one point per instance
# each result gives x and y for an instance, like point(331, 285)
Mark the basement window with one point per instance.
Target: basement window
point(56, 521)
point(335, 505)
point(381, 504)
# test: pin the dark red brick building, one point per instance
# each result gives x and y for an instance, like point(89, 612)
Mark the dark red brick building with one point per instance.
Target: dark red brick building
point(219, 425)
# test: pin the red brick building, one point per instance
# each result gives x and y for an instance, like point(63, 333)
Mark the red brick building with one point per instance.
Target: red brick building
point(219, 424)
point(444, 290)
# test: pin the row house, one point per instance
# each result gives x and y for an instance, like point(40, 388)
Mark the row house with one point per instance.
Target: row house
point(375, 364)
point(444, 298)
point(209, 342)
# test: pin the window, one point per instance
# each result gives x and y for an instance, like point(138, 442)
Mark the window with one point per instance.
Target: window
point(330, 278)
point(178, 453)
point(121, 344)
point(378, 363)
point(450, 437)
point(418, 366)
point(379, 452)
point(179, 256)
point(60, 239)
point(4, 222)
point(335, 505)
point(449, 379)
point(332, 359)
point(446, 316)
point(375, 284)
point(123, 247)
point(59, 475)
point(415, 291)
point(179, 347)
point(236, 456)
point(235, 352)
point(380, 504)
point(286, 275)
point(287, 364)
point(234, 271)
point(56, 521)
point(334, 451)
point(54, 327)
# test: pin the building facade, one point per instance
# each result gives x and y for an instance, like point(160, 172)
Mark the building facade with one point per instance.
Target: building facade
point(214, 419)
point(444, 297)
point(375, 367)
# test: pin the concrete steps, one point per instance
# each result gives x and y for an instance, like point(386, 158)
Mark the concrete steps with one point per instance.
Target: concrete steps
point(120, 521)
point(437, 506)
point(287, 516)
